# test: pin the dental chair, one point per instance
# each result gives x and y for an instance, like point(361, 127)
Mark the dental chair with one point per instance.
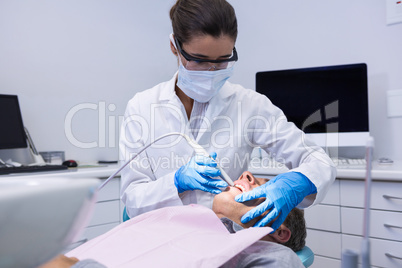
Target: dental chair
point(306, 255)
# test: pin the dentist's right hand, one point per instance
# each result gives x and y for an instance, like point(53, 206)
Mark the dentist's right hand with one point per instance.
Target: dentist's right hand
point(198, 174)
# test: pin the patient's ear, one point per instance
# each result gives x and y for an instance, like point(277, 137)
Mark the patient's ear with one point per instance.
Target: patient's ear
point(282, 234)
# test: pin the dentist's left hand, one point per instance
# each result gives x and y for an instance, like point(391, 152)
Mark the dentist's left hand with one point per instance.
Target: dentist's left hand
point(198, 174)
point(282, 194)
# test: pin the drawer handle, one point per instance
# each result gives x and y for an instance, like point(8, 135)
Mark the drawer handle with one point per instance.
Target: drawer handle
point(393, 256)
point(82, 241)
point(391, 197)
point(392, 226)
point(76, 244)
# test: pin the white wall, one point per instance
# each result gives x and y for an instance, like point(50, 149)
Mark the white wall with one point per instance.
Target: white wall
point(60, 55)
point(292, 34)
point(65, 54)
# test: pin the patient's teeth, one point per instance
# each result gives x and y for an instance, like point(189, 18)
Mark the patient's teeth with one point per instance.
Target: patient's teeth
point(240, 187)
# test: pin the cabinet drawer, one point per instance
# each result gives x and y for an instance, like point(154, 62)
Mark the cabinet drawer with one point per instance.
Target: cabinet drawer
point(94, 231)
point(320, 262)
point(352, 195)
point(106, 212)
point(324, 243)
point(90, 233)
point(379, 249)
point(383, 224)
point(323, 217)
point(111, 191)
point(332, 197)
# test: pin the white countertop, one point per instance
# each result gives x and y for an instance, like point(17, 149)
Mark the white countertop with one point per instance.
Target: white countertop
point(381, 172)
point(90, 171)
point(389, 172)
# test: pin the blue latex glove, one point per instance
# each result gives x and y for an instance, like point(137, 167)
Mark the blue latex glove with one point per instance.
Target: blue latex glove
point(282, 193)
point(196, 175)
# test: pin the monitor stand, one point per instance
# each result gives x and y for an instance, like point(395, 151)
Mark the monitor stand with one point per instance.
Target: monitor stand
point(350, 152)
point(22, 155)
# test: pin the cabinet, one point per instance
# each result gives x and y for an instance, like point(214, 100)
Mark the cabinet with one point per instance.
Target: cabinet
point(334, 227)
point(336, 223)
point(385, 220)
point(324, 235)
point(108, 209)
point(106, 214)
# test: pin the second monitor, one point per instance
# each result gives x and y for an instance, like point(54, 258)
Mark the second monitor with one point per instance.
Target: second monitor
point(329, 103)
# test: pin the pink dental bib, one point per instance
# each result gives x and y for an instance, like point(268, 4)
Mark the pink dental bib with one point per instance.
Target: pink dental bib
point(187, 236)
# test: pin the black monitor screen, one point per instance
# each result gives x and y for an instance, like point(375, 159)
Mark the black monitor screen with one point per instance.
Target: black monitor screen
point(12, 134)
point(314, 98)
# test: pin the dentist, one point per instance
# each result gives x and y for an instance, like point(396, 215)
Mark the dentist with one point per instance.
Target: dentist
point(228, 120)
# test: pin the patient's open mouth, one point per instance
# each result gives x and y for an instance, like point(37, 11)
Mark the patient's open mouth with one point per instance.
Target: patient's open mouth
point(240, 187)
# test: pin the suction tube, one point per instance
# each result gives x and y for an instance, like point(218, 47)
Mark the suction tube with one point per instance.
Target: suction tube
point(197, 148)
point(365, 246)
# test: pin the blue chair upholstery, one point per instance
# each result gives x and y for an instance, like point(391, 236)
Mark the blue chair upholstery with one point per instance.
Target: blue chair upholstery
point(306, 255)
point(125, 216)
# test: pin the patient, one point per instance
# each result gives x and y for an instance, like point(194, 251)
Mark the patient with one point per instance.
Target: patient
point(263, 253)
point(292, 233)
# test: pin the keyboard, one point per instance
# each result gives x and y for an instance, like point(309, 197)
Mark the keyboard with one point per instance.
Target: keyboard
point(23, 169)
point(349, 163)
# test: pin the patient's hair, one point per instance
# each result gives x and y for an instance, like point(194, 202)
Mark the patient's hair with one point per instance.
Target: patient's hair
point(297, 225)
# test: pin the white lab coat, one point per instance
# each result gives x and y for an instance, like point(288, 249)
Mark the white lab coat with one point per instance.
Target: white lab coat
point(236, 121)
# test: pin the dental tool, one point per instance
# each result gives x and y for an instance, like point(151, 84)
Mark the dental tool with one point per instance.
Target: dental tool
point(197, 148)
point(365, 246)
point(201, 151)
point(350, 257)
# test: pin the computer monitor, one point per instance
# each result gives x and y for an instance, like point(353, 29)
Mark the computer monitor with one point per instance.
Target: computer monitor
point(330, 103)
point(12, 133)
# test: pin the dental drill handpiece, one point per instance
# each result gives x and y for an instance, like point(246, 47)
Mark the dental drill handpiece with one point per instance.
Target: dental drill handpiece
point(197, 148)
point(201, 151)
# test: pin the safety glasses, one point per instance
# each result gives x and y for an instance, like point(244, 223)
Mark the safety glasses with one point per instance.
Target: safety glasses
point(198, 64)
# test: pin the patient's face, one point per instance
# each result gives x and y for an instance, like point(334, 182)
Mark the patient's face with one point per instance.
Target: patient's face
point(224, 204)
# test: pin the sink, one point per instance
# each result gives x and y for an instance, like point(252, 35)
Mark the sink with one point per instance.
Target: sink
point(39, 217)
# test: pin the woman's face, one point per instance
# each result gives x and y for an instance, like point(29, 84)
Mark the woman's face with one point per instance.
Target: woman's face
point(224, 204)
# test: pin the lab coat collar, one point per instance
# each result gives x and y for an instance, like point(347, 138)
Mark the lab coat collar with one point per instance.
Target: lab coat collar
point(219, 103)
point(216, 105)
point(169, 93)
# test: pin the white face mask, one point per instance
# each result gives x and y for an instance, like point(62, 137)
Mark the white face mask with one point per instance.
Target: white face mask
point(202, 86)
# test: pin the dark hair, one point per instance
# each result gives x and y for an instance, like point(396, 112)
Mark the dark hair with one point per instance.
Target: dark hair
point(203, 17)
point(297, 225)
